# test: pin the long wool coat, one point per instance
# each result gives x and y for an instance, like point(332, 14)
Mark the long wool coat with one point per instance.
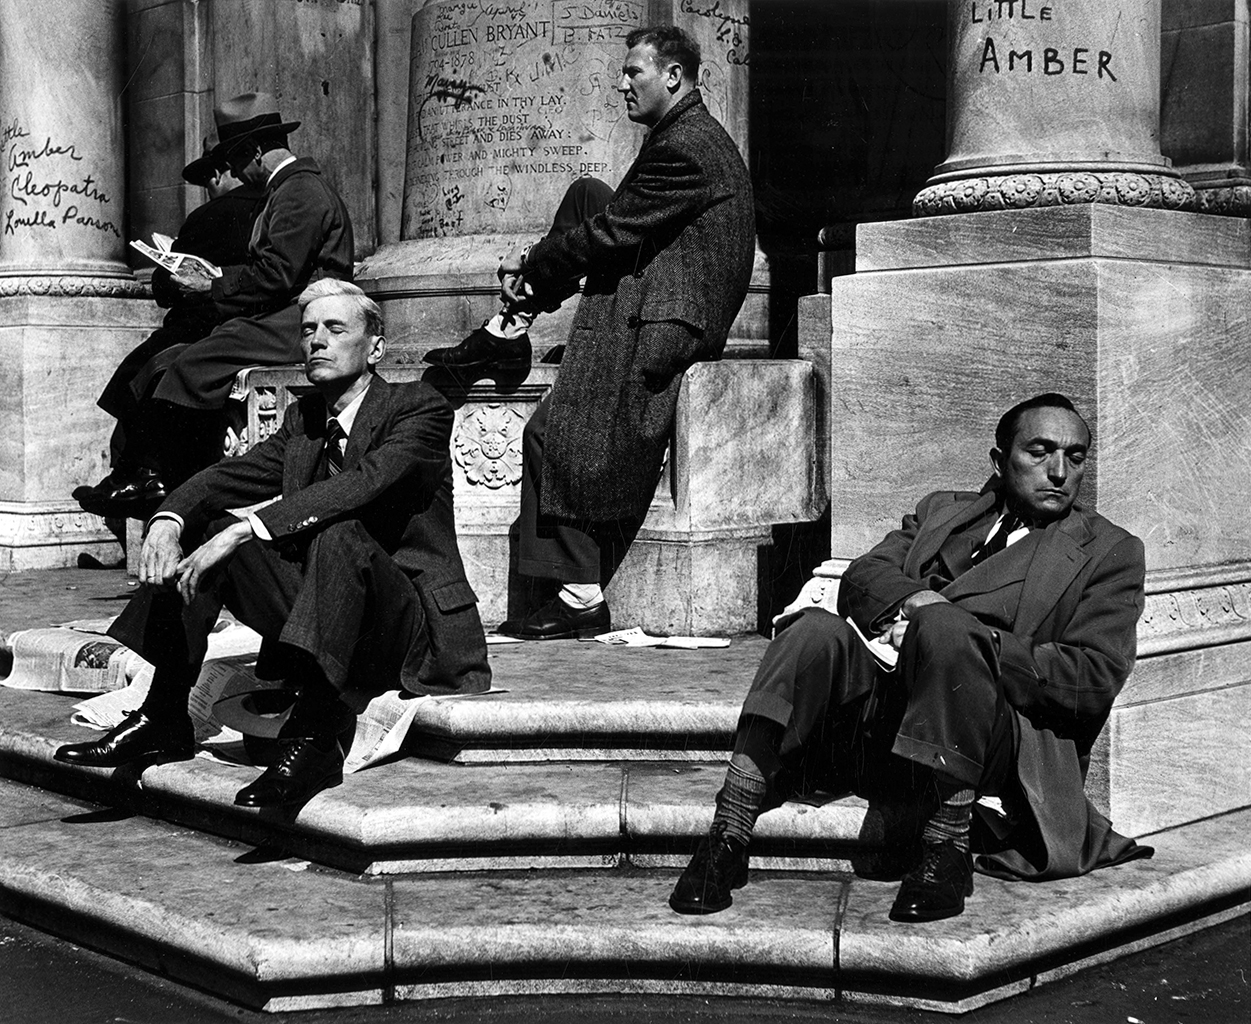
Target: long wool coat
point(1068, 652)
point(667, 266)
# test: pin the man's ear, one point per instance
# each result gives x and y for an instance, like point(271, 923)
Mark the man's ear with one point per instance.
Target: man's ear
point(676, 74)
point(996, 462)
point(377, 349)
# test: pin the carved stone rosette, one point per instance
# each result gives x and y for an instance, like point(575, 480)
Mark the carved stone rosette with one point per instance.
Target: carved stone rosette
point(1229, 200)
point(1064, 188)
point(75, 286)
point(487, 445)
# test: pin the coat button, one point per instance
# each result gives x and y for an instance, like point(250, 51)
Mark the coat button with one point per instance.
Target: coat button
point(633, 323)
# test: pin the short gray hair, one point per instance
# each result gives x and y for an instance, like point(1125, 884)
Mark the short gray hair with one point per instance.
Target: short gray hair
point(328, 286)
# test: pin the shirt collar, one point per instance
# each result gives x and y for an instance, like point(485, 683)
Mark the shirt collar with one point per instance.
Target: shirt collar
point(269, 180)
point(348, 416)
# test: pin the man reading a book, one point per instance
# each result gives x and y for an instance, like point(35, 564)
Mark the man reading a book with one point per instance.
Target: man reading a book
point(219, 232)
point(1009, 622)
point(302, 234)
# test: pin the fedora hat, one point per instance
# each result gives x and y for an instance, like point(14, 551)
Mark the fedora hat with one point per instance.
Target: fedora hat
point(205, 167)
point(242, 116)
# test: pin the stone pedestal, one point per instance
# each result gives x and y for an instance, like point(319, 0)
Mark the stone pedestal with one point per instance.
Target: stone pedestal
point(742, 461)
point(507, 105)
point(68, 308)
point(1137, 315)
point(315, 56)
point(1205, 99)
point(1052, 104)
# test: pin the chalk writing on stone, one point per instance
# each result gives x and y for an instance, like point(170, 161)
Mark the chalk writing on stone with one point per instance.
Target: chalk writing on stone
point(731, 29)
point(512, 98)
point(43, 196)
point(1050, 61)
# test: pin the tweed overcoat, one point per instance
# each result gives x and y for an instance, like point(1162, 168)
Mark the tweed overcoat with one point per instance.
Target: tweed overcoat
point(1070, 649)
point(302, 234)
point(396, 480)
point(667, 266)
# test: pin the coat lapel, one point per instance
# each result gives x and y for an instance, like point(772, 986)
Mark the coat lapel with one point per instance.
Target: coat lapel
point(368, 419)
point(1056, 563)
point(305, 446)
point(939, 526)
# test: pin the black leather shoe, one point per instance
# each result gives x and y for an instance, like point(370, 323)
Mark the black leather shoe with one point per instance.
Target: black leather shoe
point(116, 477)
point(936, 887)
point(482, 348)
point(132, 497)
point(557, 621)
point(138, 738)
point(718, 867)
point(303, 770)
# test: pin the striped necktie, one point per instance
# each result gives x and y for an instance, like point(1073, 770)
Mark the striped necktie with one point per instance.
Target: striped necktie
point(335, 440)
point(1008, 525)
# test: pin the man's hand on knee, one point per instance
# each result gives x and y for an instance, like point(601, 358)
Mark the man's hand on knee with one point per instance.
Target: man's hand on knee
point(920, 599)
point(190, 571)
point(161, 553)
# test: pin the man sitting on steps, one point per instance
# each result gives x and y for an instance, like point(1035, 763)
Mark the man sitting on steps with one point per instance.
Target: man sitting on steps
point(1010, 618)
point(351, 573)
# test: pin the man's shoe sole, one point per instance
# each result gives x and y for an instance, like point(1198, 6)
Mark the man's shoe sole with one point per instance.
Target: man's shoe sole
point(581, 633)
point(700, 908)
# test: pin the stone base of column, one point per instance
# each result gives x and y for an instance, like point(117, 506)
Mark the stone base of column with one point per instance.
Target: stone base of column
point(434, 291)
point(1228, 198)
point(60, 340)
point(1053, 188)
point(1139, 316)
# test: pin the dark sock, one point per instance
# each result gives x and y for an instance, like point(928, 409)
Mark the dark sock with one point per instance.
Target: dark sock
point(739, 802)
point(318, 713)
point(950, 822)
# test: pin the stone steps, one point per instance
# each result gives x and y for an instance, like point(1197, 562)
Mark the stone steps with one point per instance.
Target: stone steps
point(280, 934)
point(415, 815)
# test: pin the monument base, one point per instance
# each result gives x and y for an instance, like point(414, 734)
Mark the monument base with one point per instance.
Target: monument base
point(1139, 316)
point(741, 461)
point(60, 341)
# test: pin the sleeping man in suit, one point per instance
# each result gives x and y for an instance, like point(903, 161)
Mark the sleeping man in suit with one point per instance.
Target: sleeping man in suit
point(667, 262)
point(1012, 613)
point(351, 573)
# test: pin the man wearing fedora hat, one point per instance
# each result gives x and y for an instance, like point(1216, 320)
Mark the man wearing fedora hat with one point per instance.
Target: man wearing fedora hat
point(302, 234)
point(218, 231)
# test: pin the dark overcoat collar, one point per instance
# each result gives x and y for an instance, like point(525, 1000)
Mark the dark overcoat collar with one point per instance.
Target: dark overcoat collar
point(1058, 558)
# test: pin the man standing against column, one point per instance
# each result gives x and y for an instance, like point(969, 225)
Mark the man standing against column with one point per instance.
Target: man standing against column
point(667, 263)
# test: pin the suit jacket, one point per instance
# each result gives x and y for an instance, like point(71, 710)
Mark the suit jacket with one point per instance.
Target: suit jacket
point(1067, 650)
point(667, 266)
point(302, 234)
point(396, 479)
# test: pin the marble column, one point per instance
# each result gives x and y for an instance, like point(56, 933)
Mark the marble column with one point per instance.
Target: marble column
point(1052, 102)
point(507, 105)
point(1064, 263)
point(1205, 99)
point(67, 299)
point(315, 56)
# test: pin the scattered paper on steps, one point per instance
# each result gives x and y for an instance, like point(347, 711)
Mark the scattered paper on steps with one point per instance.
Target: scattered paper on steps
point(637, 638)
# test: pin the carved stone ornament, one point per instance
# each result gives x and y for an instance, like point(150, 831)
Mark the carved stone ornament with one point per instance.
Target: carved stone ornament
point(1203, 617)
point(487, 445)
point(1231, 201)
point(90, 287)
point(1066, 188)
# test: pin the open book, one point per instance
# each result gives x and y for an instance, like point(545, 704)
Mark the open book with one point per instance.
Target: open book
point(182, 263)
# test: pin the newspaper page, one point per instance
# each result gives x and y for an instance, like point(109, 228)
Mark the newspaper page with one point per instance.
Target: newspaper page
point(176, 262)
